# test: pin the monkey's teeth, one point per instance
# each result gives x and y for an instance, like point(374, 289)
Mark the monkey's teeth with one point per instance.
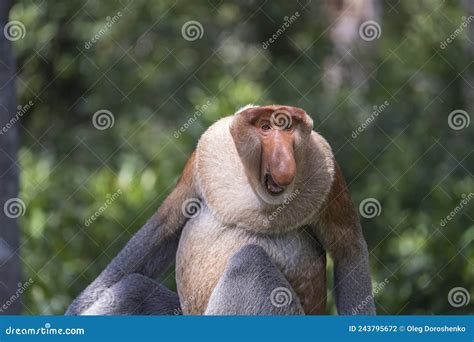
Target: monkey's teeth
point(272, 187)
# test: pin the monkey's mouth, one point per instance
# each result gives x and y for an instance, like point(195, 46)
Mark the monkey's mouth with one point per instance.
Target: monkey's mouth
point(272, 187)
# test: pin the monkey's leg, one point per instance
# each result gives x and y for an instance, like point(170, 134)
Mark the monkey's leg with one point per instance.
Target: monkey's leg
point(135, 295)
point(252, 285)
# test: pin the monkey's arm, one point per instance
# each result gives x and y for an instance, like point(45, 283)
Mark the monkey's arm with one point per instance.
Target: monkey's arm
point(341, 235)
point(150, 251)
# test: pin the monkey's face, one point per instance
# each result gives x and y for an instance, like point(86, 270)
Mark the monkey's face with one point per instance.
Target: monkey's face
point(249, 163)
point(268, 139)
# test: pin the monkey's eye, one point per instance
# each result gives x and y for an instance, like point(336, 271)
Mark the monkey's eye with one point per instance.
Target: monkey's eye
point(265, 126)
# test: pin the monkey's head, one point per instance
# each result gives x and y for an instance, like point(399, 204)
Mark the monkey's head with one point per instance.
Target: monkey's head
point(269, 140)
point(252, 162)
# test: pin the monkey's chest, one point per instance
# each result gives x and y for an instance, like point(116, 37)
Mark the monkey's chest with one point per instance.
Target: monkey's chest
point(205, 247)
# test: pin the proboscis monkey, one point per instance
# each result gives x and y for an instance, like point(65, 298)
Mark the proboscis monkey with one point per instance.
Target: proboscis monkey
point(259, 203)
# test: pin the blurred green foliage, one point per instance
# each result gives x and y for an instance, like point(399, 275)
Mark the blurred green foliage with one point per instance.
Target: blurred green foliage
point(151, 79)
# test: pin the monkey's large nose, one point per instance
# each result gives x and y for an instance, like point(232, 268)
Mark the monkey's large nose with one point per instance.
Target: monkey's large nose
point(283, 166)
point(284, 172)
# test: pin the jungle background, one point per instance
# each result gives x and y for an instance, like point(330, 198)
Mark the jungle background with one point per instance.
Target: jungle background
point(394, 99)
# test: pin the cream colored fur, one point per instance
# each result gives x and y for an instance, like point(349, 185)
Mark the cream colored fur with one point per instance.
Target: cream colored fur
point(207, 242)
point(223, 183)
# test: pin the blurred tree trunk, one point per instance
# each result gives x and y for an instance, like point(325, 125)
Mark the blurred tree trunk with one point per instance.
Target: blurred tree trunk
point(348, 17)
point(469, 78)
point(10, 272)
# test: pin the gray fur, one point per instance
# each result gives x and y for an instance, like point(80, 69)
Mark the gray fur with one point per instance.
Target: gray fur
point(136, 295)
point(148, 253)
point(249, 284)
point(352, 285)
